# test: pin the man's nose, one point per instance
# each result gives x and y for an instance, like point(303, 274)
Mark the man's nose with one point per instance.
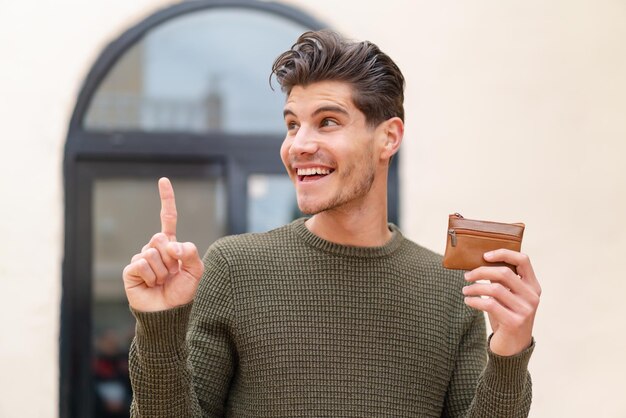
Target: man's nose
point(305, 142)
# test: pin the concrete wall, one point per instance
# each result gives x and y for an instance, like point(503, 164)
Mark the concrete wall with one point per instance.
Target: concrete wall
point(515, 112)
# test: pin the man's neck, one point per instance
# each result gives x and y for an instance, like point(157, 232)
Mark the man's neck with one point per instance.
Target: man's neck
point(355, 228)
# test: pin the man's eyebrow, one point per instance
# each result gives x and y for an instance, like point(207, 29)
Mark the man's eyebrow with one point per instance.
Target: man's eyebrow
point(336, 109)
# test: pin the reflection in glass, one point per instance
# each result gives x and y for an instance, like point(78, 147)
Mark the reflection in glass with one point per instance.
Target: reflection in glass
point(271, 202)
point(126, 215)
point(206, 71)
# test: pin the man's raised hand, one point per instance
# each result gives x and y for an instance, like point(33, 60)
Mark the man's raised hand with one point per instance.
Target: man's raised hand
point(166, 273)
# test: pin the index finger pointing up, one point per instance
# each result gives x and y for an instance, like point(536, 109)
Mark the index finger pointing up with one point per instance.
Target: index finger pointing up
point(168, 208)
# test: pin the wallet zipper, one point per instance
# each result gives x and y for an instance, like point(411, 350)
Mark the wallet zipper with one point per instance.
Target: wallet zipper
point(464, 231)
point(452, 232)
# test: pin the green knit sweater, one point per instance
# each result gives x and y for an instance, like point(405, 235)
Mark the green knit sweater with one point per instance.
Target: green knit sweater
point(286, 324)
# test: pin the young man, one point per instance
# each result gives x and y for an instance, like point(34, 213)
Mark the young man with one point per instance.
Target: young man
point(337, 314)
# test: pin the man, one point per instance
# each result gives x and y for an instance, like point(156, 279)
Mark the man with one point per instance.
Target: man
point(337, 314)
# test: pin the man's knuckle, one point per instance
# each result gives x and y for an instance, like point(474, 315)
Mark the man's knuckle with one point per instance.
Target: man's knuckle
point(503, 271)
point(143, 265)
point(534, 301)
point(499, 289)
point(169, 215)
point(489, 303)
point(517, 321)
point(152, 253)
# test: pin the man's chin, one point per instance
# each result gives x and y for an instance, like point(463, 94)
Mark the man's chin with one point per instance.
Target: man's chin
point(308, 211)
point(310, 208)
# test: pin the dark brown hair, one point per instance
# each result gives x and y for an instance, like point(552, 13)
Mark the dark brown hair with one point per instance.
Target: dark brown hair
point(377, 82)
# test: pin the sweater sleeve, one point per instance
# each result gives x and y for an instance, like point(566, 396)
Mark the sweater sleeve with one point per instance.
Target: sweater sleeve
point(485, 384)
point(504, 388)
point(182, 360)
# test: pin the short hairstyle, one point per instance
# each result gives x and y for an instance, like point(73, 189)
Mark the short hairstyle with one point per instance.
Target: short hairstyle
point(377, 82)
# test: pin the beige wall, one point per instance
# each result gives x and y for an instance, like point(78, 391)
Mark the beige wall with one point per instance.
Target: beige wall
point(46, 49)
point(515, 112)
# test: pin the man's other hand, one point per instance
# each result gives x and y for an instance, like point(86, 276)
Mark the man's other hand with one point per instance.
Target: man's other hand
point(166, 273)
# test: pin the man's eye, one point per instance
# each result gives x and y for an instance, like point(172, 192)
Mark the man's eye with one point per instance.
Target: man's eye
point(291, 126)
point(329, 122)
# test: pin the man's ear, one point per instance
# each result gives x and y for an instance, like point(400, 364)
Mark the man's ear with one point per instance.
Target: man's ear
point(393, 132)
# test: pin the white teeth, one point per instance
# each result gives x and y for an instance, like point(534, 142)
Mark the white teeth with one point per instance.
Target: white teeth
point(313, 171)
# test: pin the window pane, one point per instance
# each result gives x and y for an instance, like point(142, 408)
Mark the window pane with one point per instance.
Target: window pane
point(201, 72)
point(271, 202)
point(126, 215)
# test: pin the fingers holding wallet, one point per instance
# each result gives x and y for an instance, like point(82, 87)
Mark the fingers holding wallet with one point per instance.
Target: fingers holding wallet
point(510, 299)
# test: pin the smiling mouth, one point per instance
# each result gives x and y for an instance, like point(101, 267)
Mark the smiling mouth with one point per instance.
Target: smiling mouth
point(313, 173)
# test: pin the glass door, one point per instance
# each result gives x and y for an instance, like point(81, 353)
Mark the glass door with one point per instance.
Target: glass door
point(116, 221)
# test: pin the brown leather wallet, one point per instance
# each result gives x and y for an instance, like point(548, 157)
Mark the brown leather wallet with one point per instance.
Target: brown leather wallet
point(469, 239)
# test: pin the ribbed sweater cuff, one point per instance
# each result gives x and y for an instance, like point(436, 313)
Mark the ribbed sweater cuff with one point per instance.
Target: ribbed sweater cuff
point(162, 331)
point(508, 374)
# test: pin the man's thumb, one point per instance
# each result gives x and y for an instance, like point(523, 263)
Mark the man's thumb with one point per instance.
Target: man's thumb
point(187, 253)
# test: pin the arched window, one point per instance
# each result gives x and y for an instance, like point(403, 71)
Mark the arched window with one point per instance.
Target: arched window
point(182, 94)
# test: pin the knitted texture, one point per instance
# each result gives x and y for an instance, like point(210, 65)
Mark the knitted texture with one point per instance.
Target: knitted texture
point(286, 324)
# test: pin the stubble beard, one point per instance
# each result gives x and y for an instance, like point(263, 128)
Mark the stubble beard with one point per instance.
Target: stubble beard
point(346, 194)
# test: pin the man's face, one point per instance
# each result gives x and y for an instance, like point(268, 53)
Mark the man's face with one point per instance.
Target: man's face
point(329, 150)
